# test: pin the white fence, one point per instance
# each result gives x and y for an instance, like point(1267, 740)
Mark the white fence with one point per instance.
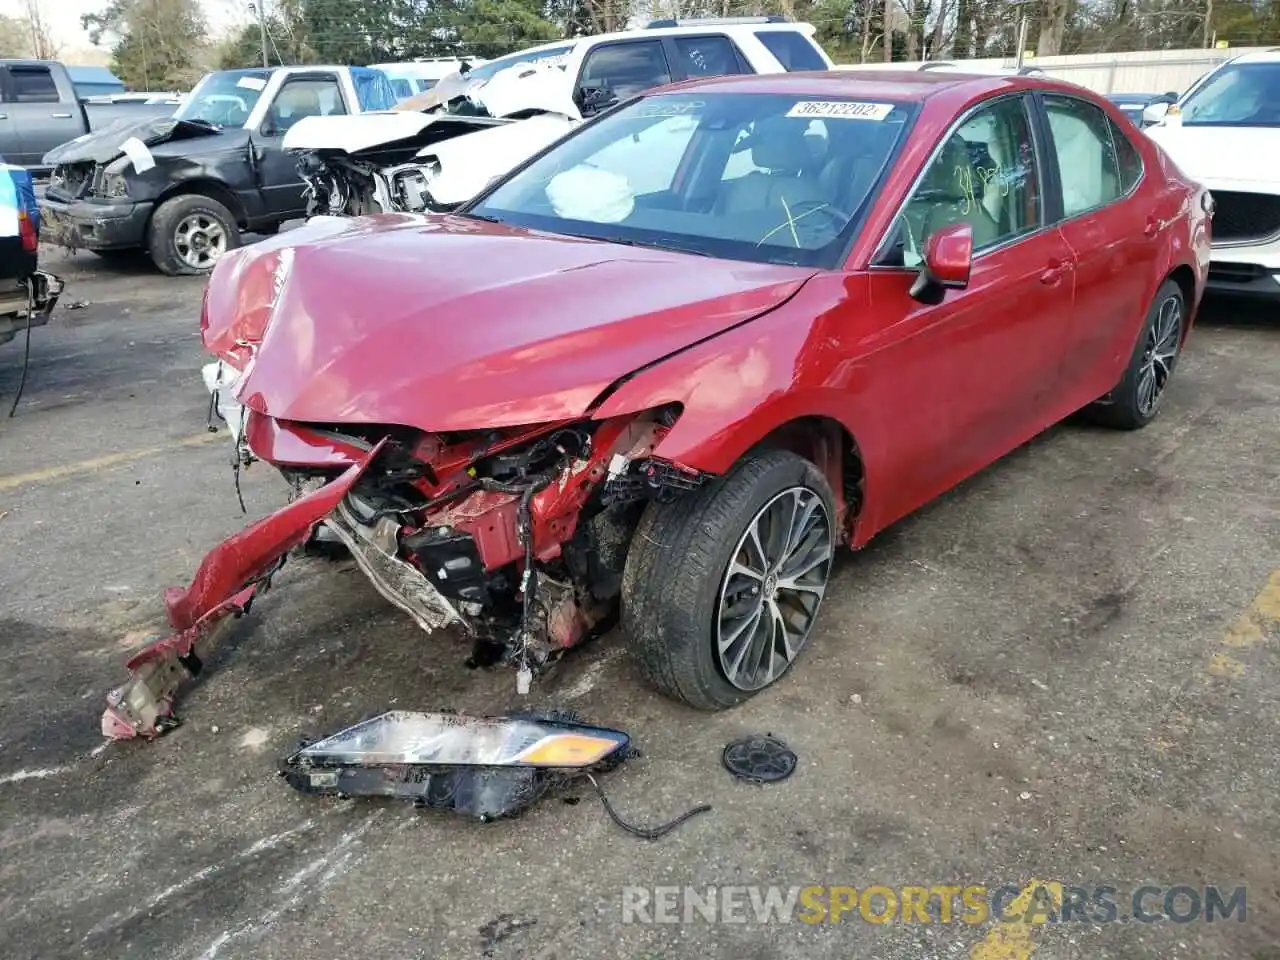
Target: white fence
point(1146, 71)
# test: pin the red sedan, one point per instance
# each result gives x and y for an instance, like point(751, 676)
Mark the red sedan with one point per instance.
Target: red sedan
point(663, 369)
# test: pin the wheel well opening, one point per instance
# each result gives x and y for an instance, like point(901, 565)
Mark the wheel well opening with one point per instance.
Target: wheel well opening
point(826, 443)
point(1185, 278)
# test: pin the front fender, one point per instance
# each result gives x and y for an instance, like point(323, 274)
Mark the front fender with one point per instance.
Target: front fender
point(737, 388)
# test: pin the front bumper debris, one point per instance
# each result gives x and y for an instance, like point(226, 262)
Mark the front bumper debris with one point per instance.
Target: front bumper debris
point(225, 585)
point(374, 549)
point(93, 225)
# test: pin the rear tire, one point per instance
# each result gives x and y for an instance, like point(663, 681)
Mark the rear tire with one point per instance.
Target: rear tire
point(190, 233)
point(1136, 399)
point(688, 614)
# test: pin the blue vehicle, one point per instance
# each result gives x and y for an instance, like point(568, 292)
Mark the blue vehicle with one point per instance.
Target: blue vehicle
point(26, 294)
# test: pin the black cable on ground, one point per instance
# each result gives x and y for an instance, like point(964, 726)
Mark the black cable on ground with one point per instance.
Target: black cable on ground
point(26, 352)
point(649, 833)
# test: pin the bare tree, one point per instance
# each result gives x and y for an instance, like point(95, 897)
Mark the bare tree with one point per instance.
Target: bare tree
point(42, 45)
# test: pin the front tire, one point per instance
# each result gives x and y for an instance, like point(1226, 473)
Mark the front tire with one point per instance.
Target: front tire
point(1135, 400)
point(190, 233)
point(722, 587)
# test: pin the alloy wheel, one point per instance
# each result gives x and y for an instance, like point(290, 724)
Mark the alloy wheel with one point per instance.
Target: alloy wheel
point(1159, 355)
point(773, 587)
point(199, 240)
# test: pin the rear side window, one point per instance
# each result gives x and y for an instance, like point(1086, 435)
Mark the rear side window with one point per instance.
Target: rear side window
point(1086, 153)
point(401, 87)
point(33, 85)
point(1127, 158)
point(792, 49)
point(706, 56)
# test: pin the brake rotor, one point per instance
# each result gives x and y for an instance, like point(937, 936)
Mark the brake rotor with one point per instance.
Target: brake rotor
point(759, 759)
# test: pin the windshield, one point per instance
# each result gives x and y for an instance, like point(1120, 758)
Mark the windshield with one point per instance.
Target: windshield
point(225, 98)
point(1241, 95)
point(486, 71)
point(760, 177)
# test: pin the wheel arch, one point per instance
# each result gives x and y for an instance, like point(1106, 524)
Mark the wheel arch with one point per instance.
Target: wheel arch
point(1185, 278)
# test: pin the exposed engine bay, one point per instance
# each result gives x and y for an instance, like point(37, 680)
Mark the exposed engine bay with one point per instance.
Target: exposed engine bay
point(434, 159)
point(517, 536)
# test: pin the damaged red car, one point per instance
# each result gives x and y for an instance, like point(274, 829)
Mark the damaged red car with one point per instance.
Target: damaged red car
point(663, 370)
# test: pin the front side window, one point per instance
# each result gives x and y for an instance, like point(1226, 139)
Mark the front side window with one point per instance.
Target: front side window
point(1239, 95)
point(306, 98)
point(985, 175)
point(625, 69)
point(1087, 162)
point(758, 177)
point(225, 99)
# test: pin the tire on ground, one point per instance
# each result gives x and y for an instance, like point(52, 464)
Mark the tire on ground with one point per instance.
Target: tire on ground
point(674, 570)
point(165, 221)
point(1123, 411)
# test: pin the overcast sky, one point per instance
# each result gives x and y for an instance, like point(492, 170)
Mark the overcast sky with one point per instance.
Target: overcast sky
point(62, 17)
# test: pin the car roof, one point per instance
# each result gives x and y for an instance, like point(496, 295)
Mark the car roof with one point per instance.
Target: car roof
point(900, 85)
point(1258, 56)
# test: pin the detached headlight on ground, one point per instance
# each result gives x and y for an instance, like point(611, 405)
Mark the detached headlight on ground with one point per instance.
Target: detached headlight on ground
point(449, 740)
point(483, 767)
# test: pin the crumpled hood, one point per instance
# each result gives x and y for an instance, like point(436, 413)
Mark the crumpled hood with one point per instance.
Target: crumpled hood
point(103, 146)
point(1239, 158)
point(449, 323)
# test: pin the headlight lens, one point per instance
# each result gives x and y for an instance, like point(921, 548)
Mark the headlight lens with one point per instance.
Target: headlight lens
point(113, 185)
point(454, 740)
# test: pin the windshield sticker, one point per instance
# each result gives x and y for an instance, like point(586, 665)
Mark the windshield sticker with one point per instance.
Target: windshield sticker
point(841, 110)
point(251, 83)
point(137, 151)
point(661, 107)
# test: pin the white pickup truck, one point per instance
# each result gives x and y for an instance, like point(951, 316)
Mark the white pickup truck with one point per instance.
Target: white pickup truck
point(1225, 132)
point(482, 122)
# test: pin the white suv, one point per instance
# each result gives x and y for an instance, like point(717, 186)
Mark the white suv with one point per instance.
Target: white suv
point(1225, 132)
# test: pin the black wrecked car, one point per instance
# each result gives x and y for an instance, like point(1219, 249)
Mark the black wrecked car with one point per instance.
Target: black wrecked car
point(184, 188)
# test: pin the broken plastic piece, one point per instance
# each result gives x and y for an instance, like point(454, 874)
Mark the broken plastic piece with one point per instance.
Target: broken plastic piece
point(759, 759)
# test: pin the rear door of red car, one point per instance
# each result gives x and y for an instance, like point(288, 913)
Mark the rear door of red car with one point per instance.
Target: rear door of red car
point(1108, 215)
point(962, 382)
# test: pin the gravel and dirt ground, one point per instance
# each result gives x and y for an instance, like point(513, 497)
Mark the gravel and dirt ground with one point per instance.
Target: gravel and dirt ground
point(1067, 670)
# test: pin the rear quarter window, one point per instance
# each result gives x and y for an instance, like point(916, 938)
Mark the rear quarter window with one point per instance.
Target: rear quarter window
point(1128, 159)
point(792, 49)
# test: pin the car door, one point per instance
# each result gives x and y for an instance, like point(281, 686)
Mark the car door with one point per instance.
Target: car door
point(962, 382)
point(10, 149)
point(42, 116)
point(1112, 226)
point(314, 93)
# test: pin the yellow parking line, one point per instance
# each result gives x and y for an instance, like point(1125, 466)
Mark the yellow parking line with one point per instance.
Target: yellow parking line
point(1247, 630)
point(50, 474)
point(1011, 939)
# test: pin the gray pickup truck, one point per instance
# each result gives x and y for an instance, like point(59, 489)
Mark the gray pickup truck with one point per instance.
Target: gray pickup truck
point(40, 110)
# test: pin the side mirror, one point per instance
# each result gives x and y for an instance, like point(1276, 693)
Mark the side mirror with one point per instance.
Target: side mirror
point(1154, 113)
point(948, 261)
